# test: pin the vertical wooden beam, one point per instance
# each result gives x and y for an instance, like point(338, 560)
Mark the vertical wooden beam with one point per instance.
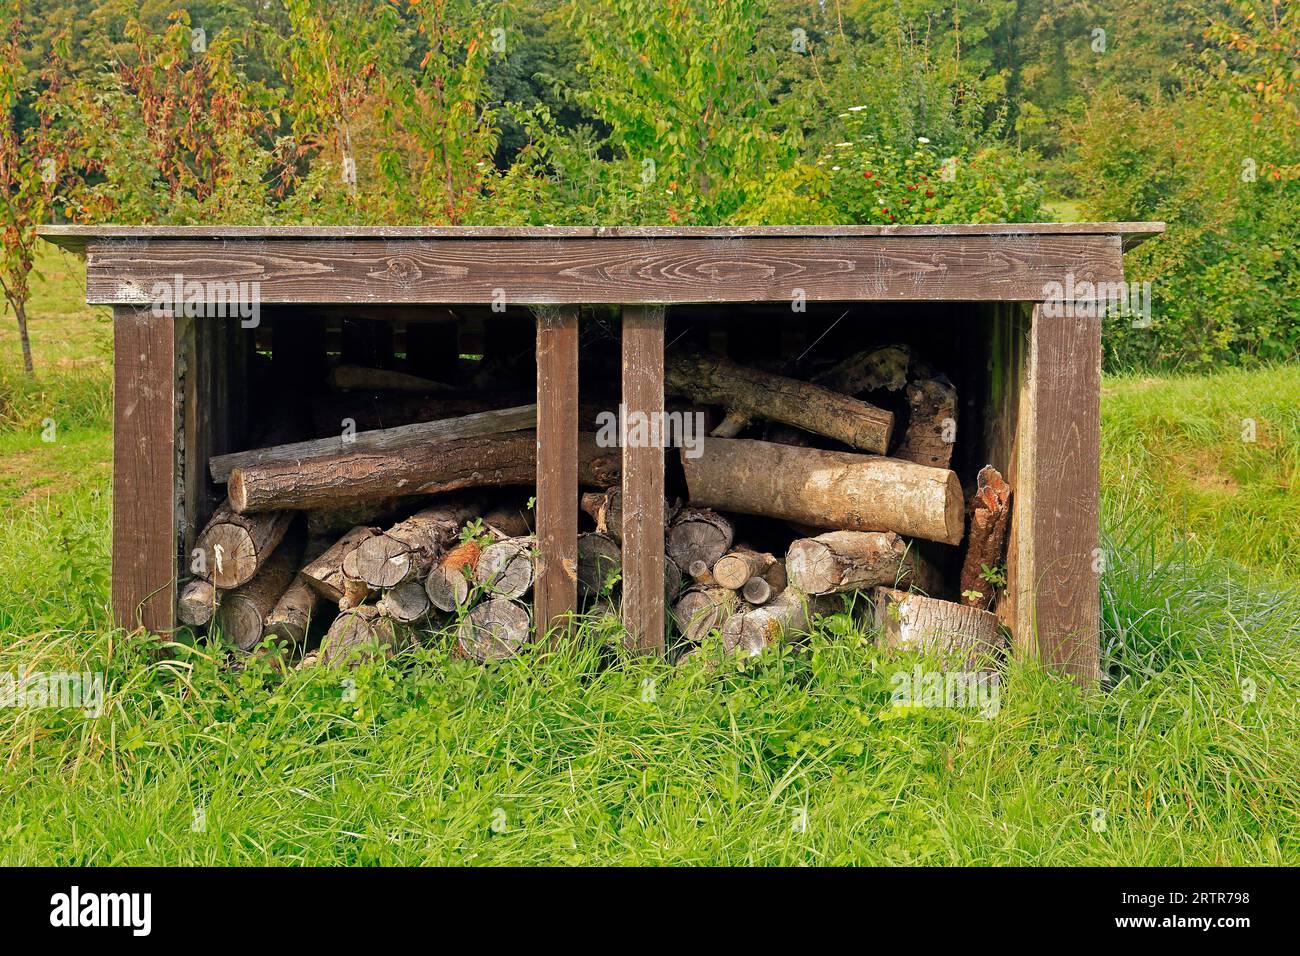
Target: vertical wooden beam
point(643, 481)
point(144, 470)
point(557, 469)
point(1058, 612)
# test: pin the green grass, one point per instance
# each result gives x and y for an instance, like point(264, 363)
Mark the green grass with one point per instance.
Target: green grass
point(1191, 756)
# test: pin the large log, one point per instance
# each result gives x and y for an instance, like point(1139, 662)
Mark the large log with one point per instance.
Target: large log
point(990, 515)
point(827, 489)
point(326, 573)
point(882, 369)
point(362, 634)
point(494, 422)
point(242, 615)
point(932, 422)
point(856, 560)
point(291, 617)
point(407, 550)
point(789, 613)
point(748, 393)
point(235, 546)
point(698, 534)
point(493, 630)
point(424, 469)
point(915, 622)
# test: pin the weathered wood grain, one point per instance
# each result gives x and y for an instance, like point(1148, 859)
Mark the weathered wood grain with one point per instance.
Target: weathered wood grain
point(643, 482)
point(556, 593)
point(144, 470)
point(536, 271)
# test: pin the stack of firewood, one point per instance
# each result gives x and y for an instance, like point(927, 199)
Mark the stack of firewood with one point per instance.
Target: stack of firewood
point(803, 492)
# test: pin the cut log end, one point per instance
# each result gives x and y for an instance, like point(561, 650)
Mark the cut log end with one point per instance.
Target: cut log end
point(493, 630)
point(698, 534)
point(197, 603)
point(505, 568)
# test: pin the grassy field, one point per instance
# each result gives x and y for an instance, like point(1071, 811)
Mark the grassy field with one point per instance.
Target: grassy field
point(1191, 756)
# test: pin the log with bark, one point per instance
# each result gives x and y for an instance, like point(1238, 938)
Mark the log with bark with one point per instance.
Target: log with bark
point(361, 634)
point(407, 550)
point(736, 568)
point(698, 534)
point(243, 613)
point(235, 546)
point(881, 369)
point(932, 421)
point(856, 560)
point(747, 394)
point(506, 568)
point(828, 489)
point(700, 610)
point(325, 574)
point(448, 583)
point(510, 522)
point(496, 422)
point(915, 622)
point(990, 517)
point(494, 630)
point(600, 562)
point(429, 469)
point(333, 522)
point(751, 632)
point(197, 603)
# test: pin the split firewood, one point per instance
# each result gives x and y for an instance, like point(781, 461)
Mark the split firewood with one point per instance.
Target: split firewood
point(506, 568)
point(700, 610)
point(856, 560)
point(990, 516)
point(698, 534)
point(496, 422)
point(362, 634)
point(197, 603)
point(606, 509)
point(448, 583)
point(932, 423)
point(326, 574)
point(243, 613)
point(407, 550)
point(493, 630)
point(510, 522)
point(750, 632)
point(408, 602)
point(235, 546)
point(826, 489)
point(883, 369)
point(600, 562)
point(915, 622)
point(350, 378)
point(747, 393)
point(424, 469)
point(735, 569)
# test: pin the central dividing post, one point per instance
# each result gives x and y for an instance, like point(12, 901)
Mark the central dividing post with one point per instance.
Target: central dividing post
point(643, 478)
point(557, 469)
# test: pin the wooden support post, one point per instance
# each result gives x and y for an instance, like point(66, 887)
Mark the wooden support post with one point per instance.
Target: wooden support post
point(144, 470)
point(557, 468)
point(643, 481)
point(1058, 613)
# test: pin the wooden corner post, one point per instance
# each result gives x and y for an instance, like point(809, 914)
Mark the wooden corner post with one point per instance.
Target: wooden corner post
point(557, 468)
point(643, 479)
point(144, 470)
point(1058, 607)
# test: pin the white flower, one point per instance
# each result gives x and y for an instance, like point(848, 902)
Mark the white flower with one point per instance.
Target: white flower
point(842, 145)
point(922, 139)
point(856, 109)
point(835, 169)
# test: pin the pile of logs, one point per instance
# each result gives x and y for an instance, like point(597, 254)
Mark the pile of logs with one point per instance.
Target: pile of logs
point(367, 541)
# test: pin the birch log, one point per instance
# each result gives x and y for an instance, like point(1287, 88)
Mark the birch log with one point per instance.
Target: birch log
point(915, 622)
point(827, 489)
point(856, 560)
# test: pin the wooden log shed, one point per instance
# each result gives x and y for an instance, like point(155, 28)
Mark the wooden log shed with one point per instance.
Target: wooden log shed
point(1034, 379)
